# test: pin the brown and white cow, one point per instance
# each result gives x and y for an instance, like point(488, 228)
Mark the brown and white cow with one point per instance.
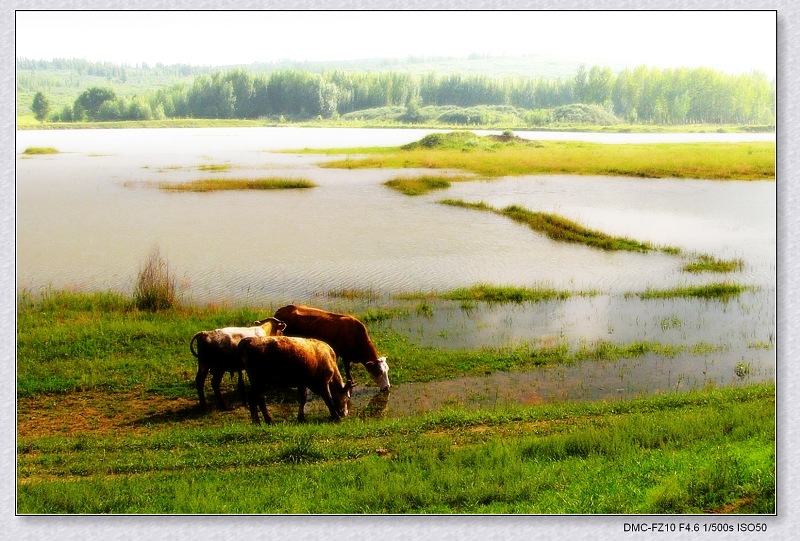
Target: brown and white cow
point(216, 352)
point(284, 361)
point(346, 335)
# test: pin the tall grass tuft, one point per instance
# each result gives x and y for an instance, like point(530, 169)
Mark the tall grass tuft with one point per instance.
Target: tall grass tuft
point(155, 286)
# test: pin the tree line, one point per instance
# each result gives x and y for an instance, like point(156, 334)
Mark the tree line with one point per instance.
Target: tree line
point(646, 95)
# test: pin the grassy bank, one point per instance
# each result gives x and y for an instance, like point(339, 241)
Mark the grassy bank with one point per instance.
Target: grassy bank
point(497, 156)
point(699, 452)
point(70, 342)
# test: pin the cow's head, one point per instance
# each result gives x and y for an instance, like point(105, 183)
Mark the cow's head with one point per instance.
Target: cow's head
point(276, 326)
point(379, 371)
point(341, 398)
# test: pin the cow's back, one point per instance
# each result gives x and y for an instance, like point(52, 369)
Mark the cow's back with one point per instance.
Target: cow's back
point(288, 361)
point(346, 335)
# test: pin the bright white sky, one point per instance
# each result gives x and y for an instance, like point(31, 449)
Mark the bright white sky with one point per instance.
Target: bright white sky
point(731, 41)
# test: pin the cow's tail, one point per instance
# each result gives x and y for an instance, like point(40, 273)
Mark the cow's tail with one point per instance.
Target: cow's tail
point(191, 344)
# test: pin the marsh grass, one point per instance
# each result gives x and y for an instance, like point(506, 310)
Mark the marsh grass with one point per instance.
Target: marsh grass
point(708, 263)
point(351, 294)
point(215, 167)
point(489, 157)
point(422, 184)
point(723, 291)
point(40, 150)
point(560, 229)
point(155, 285)
point(495, 294)
point(213, 185)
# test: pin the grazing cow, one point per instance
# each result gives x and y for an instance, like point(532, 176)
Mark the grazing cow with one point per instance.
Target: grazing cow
point(346, 335)
point(216, 352)
point(304, 363)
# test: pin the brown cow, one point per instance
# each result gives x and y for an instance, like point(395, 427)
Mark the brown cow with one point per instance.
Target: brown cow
point(283, 361)
point(346, 335)
point(216, 352)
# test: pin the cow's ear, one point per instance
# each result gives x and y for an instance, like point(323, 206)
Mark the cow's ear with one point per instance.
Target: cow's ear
point(370, 363)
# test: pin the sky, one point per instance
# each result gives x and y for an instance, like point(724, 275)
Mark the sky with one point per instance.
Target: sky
point(730, 41)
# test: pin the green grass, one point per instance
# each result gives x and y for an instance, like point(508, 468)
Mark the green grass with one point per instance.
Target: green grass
point(708, 263)
point(40, 150)
point(422, 184)
point(488, 157)
point(699, 452)
point(155, 285)
point(494, 293)
point(215, 167)
point(720, 291)
point(91, 355)
point(559, 228)
point(68, 342)
point(215, 185)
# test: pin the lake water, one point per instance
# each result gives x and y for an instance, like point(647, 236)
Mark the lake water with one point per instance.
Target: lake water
point(88, 217)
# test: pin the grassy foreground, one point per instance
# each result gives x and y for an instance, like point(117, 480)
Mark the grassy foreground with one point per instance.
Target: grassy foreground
point(496, 156)
point(107, 423)
point(694, 453)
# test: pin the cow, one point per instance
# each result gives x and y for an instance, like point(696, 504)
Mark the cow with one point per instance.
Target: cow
point(284, 361)
point(344, 333)
point(216, 352)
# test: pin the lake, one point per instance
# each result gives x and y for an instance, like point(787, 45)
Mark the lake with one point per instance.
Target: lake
point(87, 218)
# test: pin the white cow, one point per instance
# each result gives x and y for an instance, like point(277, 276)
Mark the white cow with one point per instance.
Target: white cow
point(216, 352)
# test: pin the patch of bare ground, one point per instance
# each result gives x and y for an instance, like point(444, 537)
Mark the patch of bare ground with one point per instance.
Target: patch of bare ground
point(98, 413)
point(739, 506)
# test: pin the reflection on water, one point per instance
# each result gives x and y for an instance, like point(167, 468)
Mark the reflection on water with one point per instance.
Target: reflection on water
point(87, 218)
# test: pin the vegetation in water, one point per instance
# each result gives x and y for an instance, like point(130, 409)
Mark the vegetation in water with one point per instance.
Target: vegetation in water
point(498, 294)
point(720, 290)
point(233, 184)
point(40, 150)
point(497, 156)
point(708, 263)
point(421, 185)
point(557, 227)
point(214, 167)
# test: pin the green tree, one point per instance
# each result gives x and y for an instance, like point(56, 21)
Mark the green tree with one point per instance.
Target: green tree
point(328, 94)
point(91, 101)
point(40, 106)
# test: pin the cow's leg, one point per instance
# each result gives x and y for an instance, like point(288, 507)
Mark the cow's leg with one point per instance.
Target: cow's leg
point(200, 382)
point(242, 390)
point(256, 401)
point(347, 371)
point(252, 403)
point(302, 397)
point(262, 404)
point(325, 393)
point(216, 379)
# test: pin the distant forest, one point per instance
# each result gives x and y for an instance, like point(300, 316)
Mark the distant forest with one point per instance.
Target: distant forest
point(641, 95)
